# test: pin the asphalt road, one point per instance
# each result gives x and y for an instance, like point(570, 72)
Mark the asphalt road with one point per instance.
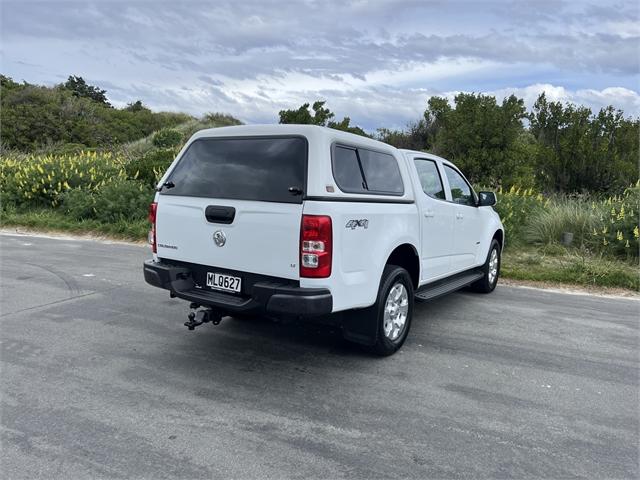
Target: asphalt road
point(100, 379)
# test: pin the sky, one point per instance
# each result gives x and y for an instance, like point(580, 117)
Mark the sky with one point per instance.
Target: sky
point(376, 61)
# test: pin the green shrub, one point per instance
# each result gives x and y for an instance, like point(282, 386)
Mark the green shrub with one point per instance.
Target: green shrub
point(122, 200)
point(112, 202)
point(167, 138)
point(35, 116)
point(140, 147)
point(78, 204)
point(149, 168)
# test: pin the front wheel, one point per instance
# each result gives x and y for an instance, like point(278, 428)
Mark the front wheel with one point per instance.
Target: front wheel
point(491, 270)
point(393, 310)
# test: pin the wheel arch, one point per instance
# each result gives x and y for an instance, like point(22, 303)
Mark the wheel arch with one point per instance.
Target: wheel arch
point(406, 256)
point(499, 236)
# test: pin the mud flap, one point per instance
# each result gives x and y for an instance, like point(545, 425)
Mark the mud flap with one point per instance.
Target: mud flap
point(360, 326)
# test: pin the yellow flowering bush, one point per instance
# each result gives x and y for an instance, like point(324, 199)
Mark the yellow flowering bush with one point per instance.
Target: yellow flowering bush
point(617, 232)
point(40, 180)
point(607, 225)
point(515, 207)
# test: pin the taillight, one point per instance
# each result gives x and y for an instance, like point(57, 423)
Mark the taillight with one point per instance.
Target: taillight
point(316, 240)
point(153, 208)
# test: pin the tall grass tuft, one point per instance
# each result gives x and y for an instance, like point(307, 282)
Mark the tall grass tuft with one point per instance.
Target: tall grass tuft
point(546, 226)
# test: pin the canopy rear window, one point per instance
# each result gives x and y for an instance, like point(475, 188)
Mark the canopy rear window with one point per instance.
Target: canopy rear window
point(242, 168)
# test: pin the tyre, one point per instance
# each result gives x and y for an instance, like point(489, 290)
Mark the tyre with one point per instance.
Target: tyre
point(491, 270)
point(393, 310)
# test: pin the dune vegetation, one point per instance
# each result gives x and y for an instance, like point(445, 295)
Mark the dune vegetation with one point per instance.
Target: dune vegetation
point(72, 162)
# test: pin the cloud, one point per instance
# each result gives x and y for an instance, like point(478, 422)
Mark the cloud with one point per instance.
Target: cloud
point(376, 61)
point(589, 97)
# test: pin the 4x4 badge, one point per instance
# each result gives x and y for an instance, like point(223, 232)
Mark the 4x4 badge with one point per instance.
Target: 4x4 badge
point(220, 238)
point(353, 224)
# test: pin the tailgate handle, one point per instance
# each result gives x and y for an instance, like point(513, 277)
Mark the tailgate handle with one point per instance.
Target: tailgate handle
point(218, 214)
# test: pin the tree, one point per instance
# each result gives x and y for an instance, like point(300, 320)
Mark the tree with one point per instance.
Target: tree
point(7, 83)
point(481, 136)
point(80, 88)
point(435, 117)
point(321, 116)
point(579, 151)
point(345, 126)
point(136, 106)
point(302, 115)
point(415, 137)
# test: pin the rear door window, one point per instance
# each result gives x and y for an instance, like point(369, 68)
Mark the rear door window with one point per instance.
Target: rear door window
point(256, 168)
point(359, 170)
point(381, 172)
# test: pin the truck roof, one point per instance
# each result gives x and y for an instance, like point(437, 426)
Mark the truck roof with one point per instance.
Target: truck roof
point(309, 131)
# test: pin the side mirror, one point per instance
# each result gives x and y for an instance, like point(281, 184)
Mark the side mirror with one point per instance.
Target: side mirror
point(486, 199)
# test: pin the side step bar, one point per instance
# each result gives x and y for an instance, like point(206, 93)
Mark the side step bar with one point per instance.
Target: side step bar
point(442, 287)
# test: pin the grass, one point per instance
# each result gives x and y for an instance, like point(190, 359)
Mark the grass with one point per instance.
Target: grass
point(52, 220)
point(574, 267)
point(551, 263)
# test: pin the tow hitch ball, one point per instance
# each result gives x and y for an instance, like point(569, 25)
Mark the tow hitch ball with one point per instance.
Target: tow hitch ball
point(202, 316)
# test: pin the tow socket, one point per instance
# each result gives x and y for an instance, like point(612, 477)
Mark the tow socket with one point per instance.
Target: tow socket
point(205, 315)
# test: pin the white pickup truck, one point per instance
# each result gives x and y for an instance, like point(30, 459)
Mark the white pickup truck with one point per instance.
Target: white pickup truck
point(306, 222)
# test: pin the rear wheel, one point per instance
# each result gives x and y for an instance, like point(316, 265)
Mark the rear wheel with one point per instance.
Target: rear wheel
point(491, 270)
point(393, 310)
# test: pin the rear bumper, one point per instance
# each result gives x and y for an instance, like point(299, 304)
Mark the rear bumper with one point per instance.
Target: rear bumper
point(264, 297)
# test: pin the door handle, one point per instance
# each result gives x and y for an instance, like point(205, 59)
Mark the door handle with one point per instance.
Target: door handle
point(429, 214)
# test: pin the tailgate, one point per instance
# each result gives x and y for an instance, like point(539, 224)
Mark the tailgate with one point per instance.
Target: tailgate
point(263, 237)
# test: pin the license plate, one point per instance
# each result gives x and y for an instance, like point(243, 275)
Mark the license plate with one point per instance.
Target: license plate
point(226, 283)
